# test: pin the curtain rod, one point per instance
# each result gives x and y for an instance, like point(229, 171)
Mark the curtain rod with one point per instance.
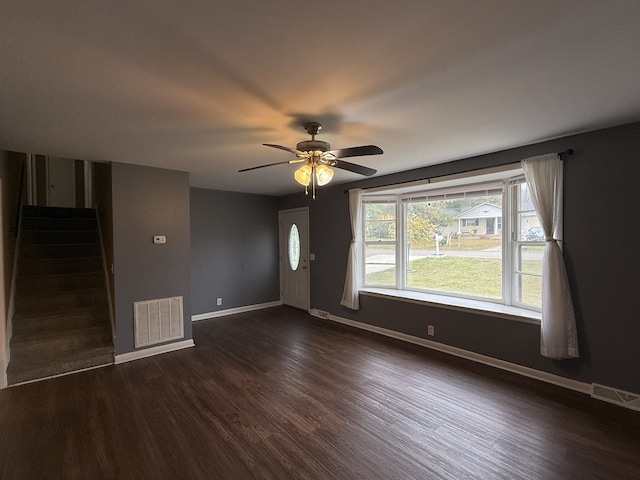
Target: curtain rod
point(565, 153)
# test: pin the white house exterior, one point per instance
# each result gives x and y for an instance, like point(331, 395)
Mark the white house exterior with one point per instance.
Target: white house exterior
point(483, 219)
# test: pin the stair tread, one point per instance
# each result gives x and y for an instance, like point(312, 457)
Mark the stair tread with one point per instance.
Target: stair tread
point(92, 310)
point(47, 367)
point(71, 290)
point(40, 244)
point(55, 259)
point(46, 335)
point(50, 230)
point(35, 361)
point(61, 275)
point(71, 319)
point(41, 349)
point(55, 266)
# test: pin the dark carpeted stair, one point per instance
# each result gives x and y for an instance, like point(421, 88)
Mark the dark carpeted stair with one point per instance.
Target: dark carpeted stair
point(61, 321)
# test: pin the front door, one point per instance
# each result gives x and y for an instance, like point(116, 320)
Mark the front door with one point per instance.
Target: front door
point(491, 226)
point(294, 257)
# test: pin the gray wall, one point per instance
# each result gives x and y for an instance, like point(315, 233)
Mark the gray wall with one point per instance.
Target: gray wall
point(147, 202)
point(234, 250)
point(601, 235)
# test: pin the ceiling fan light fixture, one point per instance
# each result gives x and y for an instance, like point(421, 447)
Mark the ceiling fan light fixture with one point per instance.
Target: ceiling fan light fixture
point(303, 175)
point(318, 159)
point(324, 175)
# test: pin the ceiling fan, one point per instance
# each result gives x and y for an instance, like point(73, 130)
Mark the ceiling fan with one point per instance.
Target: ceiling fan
point(318, 159)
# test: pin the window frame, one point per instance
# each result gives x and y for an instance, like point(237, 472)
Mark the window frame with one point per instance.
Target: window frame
point(509, 178)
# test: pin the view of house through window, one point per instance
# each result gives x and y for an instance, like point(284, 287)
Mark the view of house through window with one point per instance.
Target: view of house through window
point(455, 245)
point(453, 242)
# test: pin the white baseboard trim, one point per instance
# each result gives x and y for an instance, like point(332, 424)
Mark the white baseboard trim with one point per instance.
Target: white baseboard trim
point(149, 352)
point(232, 311)
point(581, 387)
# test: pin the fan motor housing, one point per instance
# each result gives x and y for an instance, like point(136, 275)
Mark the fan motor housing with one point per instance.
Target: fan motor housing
point(313, 145)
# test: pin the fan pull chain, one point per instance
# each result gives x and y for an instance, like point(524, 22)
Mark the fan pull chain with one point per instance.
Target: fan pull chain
point(313, 179)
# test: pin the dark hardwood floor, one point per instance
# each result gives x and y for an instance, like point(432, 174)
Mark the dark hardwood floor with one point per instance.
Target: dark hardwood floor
point(276, 394)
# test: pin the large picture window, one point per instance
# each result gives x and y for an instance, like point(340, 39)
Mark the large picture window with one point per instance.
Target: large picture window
point(480, 241)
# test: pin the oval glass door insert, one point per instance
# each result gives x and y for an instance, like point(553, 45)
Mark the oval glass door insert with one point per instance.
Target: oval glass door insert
point(294, 247)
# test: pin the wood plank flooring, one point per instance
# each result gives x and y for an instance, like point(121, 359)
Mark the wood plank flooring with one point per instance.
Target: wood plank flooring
point(276, 394)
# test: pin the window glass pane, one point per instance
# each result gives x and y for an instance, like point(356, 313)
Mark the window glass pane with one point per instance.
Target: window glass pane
point(528, 224)
point(379, 222)
point(294, 247)
point(380, 264)
point(528, 284)
point(530, 259)
point(531, 291)
point(455, 245)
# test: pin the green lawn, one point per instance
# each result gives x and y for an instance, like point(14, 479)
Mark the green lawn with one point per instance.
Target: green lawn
point(470, 243)
point(468, 276)
point(462, 243)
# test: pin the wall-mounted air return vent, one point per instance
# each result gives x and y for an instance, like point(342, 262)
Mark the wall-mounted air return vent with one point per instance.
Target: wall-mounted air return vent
point(158, 321)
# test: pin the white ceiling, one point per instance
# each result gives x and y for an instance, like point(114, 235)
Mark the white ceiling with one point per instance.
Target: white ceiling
point(199, 85)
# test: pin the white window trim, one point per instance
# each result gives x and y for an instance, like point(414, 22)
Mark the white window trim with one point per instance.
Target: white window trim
point(507, 309)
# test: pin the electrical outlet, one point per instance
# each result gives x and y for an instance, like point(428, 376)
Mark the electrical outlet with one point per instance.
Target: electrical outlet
point(159, 239)
point(219, 301)
point(431, 331)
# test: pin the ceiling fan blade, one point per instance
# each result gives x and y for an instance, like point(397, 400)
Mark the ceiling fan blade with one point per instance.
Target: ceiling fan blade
point(270, 165)
point(286, 149)
point(352, 167)
point(356, 151)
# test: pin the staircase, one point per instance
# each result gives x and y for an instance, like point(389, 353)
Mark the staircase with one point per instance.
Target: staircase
point(61, 315)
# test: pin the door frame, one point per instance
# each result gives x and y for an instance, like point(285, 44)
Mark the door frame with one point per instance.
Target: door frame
point(282, 245)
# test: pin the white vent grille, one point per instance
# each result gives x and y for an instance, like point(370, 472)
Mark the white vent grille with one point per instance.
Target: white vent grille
point(619, 397)
point(158, 321)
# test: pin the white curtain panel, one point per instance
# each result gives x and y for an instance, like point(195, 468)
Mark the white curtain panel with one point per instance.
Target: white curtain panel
point(350, 298)
point(559, 337)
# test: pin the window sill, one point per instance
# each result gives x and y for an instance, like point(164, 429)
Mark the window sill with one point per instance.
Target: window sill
point(455, 303)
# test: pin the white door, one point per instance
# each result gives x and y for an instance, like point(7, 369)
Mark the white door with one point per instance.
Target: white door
point(294, 258)
point(61, 188)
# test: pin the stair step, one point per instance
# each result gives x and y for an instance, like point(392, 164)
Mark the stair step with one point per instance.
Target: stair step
point(42, 366)
point(53, 237)
point(58, 266)
point(33, 284)
point(24, 323)
point(53, 342)
point(57, 212)
point(63, 250)
point(61, 300)
point(58, 224)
